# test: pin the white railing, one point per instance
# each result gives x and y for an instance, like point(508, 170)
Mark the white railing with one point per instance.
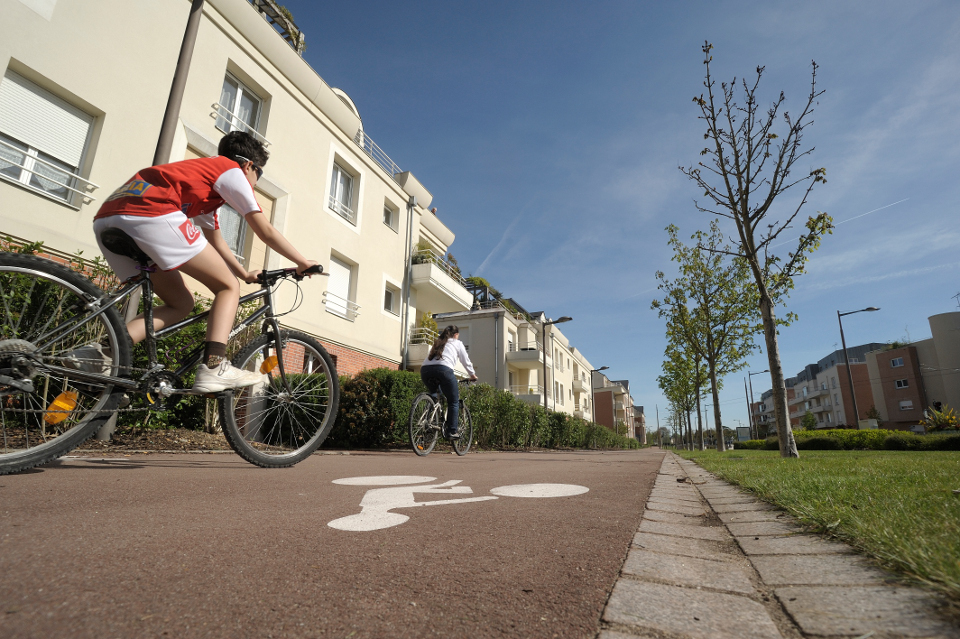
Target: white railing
point(376, 153)
point(340, 306)
point(526, 346)
point(495, 303)
point(420, 335)
point(44, 176)
point(342, 210)
point(423, 256)
point(526, 389)
point(227, 121)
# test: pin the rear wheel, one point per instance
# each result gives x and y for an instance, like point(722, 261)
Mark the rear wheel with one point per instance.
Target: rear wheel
point(423, 432)
point(465, 428)
point(45, 413)
point(283, 419)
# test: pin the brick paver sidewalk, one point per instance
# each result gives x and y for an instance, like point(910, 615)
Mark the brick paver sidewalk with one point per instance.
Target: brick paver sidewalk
point(710, 561)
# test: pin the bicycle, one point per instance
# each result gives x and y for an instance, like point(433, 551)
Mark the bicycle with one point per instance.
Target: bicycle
point(427, 416)
point(66, 365)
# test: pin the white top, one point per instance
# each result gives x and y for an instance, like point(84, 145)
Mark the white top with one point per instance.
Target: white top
point(452, 351)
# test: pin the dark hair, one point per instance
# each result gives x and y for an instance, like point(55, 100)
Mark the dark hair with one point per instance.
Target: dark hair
point(437, 351)
point(241, 143)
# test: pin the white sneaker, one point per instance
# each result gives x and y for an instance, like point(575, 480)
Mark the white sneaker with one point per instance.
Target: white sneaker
point(89, 359)
point(224, 376)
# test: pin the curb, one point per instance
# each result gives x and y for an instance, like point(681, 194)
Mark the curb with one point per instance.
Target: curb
point(710, 561)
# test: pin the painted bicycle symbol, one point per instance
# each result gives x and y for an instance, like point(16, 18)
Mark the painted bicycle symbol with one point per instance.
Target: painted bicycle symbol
point(378, 503)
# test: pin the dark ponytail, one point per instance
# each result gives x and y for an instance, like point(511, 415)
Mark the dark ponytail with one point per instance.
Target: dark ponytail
point(437, 351)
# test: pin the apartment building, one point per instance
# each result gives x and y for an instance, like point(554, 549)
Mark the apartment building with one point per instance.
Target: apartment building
point(613, 403)
point(78, 118)
point(518, 351)
point(908, 379)
point(640, 424)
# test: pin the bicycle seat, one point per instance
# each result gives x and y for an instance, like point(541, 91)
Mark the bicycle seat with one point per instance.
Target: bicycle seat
point(117, 241)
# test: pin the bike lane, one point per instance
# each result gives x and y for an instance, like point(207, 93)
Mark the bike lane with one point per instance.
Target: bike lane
point(511, 544)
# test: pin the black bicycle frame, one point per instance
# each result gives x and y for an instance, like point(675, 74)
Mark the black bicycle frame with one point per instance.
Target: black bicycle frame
point(144, 283)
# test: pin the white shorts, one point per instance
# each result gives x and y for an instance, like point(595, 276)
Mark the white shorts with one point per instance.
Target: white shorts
point(171, 240)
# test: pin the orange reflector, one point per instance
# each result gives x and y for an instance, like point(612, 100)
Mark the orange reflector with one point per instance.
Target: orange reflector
point(268, 364)
point(60, 409)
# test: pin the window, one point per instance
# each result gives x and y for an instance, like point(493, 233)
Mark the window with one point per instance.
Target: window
point(804, 391)
point(828, 418)
point(233, 228)
point(896, 362)
point(903, 383)
point(854, 360)
point(391, 299)
point(339, 286)
point(906, 404)
point(833, 382)
point(561, 394)
point(391, 216)
point(42, 138)
point(239, 108)
point(341, 194)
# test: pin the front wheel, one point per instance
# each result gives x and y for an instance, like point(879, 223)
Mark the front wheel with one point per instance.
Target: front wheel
point(283, 419)
point(423, 430)
point(465, 428)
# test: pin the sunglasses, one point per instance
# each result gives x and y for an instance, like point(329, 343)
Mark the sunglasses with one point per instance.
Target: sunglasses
point(258, 169)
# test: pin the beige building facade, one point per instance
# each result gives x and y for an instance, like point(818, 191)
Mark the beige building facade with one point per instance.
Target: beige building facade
point(78, 118)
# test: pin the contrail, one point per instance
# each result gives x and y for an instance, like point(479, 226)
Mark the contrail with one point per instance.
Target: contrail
point(505, 235)
point(849, 219)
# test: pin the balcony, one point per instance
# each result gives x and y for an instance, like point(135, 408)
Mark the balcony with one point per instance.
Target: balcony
point(529, 393)
point(580, 386)
point(525, 355)
point(343, 210)
point(440, 289)
point(420, 342)
point(340, 306)
point(810, 395)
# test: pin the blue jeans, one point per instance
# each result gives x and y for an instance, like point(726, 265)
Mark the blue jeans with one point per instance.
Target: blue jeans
point(442, 378)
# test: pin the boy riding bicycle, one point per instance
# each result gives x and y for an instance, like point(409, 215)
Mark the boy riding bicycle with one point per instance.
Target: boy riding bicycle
point(160, 208)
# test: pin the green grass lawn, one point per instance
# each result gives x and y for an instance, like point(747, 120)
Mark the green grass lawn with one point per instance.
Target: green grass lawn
point(897, 506)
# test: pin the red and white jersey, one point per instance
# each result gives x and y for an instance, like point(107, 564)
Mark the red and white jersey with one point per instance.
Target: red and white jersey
point(196, 187)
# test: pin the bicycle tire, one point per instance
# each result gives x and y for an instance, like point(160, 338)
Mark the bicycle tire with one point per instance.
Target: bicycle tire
point(37, 295)
point(423, 435)
point(465, 428)
point(264, 423)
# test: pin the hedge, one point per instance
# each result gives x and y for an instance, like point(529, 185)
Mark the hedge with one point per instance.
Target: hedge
point(848, 439)
point(375, 409)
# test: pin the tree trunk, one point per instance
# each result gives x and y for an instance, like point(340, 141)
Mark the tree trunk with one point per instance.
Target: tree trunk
point(699, 414)
point(788, 446)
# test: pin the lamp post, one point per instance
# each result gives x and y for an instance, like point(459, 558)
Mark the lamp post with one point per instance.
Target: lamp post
point(593, 397)
point(753, 423)
point(846, 360)
point(545, 325)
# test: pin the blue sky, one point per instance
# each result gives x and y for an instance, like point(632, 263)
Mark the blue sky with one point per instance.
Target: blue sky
point(550, 134)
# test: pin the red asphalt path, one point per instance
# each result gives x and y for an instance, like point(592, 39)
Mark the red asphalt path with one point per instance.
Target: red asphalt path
point(210, 546)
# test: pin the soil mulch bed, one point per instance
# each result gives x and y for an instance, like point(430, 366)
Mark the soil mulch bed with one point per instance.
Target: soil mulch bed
point(155, 439)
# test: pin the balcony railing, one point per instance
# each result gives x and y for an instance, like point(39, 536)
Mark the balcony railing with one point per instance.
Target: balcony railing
point(340, 306)
point(48, 177)
point(526, 389)
point(228, 121)
point(342, 210)
point(429, 256)
point(525, 346)
point(376, 154)
point(419, 335)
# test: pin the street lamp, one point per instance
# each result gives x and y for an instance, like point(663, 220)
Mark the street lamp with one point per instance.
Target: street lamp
point(846, 360)
point(545, 325)
point(593, 398)
point(753, 423)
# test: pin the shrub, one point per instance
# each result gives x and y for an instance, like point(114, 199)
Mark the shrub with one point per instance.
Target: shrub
point(846, 439)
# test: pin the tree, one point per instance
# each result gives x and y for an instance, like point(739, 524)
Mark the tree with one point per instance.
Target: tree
point(808, 421)
point(747, 168)
point(711, 308)
point(682, 382)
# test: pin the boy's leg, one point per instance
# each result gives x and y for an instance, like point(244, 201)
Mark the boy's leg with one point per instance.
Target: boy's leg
point(177, 304)
point(209, 269)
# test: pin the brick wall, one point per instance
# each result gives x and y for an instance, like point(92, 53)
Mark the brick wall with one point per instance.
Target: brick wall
point(350, 362)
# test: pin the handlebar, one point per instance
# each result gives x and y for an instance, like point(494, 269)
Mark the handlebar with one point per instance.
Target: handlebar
point(268, 278)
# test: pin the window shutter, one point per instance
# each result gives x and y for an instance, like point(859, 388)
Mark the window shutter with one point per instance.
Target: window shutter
point(339, 285)
point(39, 119)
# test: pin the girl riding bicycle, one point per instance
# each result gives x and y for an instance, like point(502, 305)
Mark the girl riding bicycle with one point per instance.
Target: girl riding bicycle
point(437, 373)
point(160, 208)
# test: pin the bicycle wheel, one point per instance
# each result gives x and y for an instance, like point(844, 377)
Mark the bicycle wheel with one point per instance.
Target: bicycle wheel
point(283, 419)
point(45, 414)
point(423, 432)
point(465, 428)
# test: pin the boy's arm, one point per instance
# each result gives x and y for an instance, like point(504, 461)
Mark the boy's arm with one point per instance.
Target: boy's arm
point(272, 238)
point(220, 245)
